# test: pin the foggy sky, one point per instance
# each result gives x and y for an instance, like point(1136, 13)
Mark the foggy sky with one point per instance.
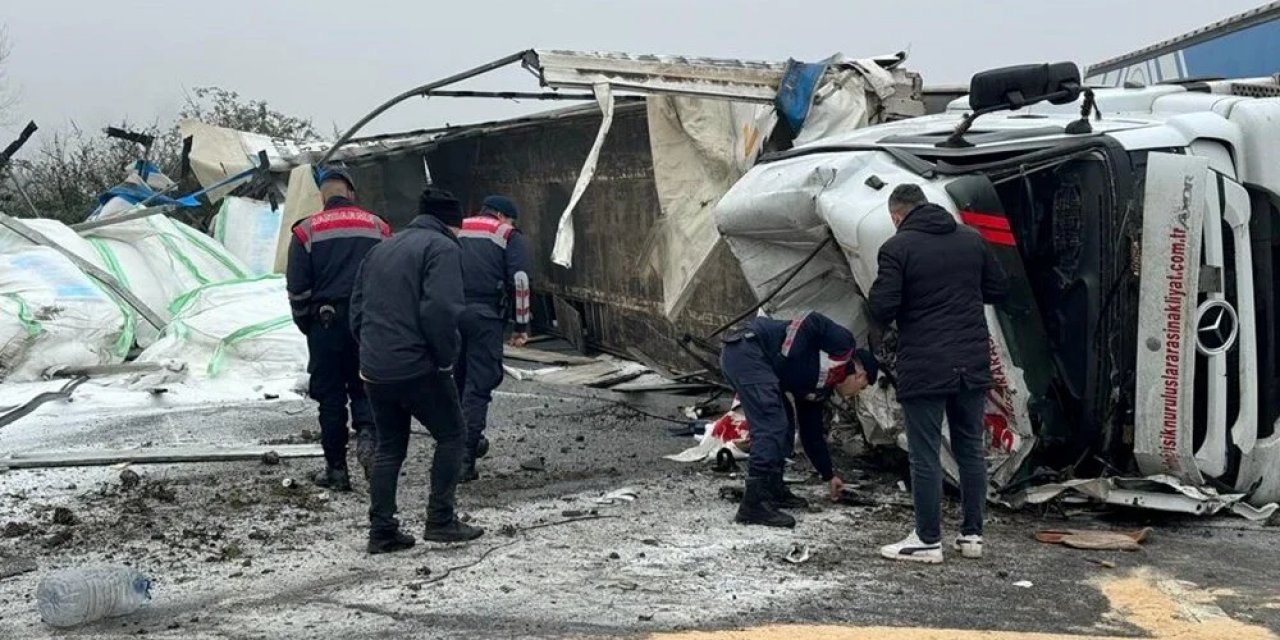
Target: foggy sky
point(94, 62)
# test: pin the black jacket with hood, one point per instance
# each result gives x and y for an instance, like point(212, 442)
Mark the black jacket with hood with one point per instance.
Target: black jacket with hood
point(406, 302)
point(934, 277)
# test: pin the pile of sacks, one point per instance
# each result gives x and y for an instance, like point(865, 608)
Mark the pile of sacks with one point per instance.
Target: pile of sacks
point(219, 315)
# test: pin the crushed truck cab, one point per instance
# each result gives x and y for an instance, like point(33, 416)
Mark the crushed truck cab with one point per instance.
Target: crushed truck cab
point(1140, 334)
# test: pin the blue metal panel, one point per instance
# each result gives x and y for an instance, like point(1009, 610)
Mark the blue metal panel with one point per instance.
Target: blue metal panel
point(1254, 51)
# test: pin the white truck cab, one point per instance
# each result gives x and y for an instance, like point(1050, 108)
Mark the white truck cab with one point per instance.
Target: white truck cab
point(1142, 239)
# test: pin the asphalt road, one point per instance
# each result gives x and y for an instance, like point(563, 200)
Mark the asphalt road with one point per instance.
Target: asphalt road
point(236, 554)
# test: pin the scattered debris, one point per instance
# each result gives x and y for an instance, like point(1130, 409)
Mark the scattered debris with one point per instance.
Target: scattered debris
point(17, 529)
point(1023, 584)
point(625, 494)
point(799, 554)
point(1129, 540)
point(1161, 493)
point(10, 567)
point(732, 493)
point(58, 539)
point(65, 516)
point(129, 479)
point(271, 458)
point(534, 464)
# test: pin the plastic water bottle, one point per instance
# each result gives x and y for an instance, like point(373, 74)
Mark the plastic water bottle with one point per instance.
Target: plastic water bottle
point(69, 597)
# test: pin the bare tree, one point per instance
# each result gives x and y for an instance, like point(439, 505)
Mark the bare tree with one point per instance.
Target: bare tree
point(73, 166)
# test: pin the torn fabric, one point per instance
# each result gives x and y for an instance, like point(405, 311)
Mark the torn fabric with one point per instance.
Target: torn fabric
point(301, 200)
point(562, 252)
point(700, 148)
point(218, 153)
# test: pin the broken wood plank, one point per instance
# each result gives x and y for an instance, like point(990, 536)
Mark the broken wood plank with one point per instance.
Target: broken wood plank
point(646, 360)
point(107, 280)
point(154, 455)
point(545, 357)
point(569, 323)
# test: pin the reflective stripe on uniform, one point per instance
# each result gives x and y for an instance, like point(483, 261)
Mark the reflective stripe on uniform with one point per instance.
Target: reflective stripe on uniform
point(522, 298)
point(792, 328)
point(297, 297)
point(486, 228)
point(343, 222)
point(832, 369)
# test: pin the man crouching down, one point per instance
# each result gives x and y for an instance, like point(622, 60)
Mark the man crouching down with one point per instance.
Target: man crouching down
point(807, 357)
point(404, 314)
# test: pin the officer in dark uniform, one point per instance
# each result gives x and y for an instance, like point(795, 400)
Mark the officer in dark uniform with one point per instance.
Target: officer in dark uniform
point(807, 357)
point(495, 275)
point(325, 251)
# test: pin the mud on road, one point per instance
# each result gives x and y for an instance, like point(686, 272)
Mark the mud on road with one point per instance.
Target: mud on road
point(252, 550)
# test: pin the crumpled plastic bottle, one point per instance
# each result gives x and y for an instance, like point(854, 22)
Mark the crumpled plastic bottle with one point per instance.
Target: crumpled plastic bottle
point(70, 597)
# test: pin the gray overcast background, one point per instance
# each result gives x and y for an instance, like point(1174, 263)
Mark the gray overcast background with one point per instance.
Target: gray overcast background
point(96, 61)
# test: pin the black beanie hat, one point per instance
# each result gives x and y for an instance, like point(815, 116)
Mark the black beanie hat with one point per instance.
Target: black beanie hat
point(440, 204)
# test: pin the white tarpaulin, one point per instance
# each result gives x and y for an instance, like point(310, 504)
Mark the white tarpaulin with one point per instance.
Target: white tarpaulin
point(700, 148)
point(52, 314)
point(234, 329)
point(249, 229)
point(159, 260)
point(562, 252)
point(218, 153)
point(301, 200)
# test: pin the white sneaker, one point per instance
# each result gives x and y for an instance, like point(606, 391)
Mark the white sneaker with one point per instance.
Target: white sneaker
point(912, 549)
point(968, 546)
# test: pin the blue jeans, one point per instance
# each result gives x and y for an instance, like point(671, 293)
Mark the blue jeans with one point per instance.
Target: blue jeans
point(964, 411)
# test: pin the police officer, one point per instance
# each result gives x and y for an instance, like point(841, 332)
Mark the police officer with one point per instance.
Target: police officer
point(404, 311)
point(807, 357)
point(495, 273)
point(325, 250)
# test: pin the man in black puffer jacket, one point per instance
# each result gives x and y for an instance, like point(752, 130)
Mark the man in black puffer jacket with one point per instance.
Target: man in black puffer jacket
point(934, 278)
point(404, 314)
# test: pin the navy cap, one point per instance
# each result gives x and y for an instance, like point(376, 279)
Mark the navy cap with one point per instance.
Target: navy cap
point(503, 205)
point(334, 172)
point(868, 363)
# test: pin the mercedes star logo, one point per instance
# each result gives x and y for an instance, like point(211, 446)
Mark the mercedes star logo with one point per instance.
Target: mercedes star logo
point(1216, 327)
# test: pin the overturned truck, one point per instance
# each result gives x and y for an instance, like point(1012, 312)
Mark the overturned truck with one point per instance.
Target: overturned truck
point(1139, 228)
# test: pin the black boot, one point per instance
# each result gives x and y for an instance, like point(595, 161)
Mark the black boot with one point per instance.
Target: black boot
point(757, 506)
point(468, 473)
point(782, 496)
point(391, 542)
point(333, 479)
point(452, 531)
point(365, 446)
point(482, 448)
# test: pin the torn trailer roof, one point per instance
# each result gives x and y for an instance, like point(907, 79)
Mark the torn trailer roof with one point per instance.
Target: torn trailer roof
point(616, 195)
